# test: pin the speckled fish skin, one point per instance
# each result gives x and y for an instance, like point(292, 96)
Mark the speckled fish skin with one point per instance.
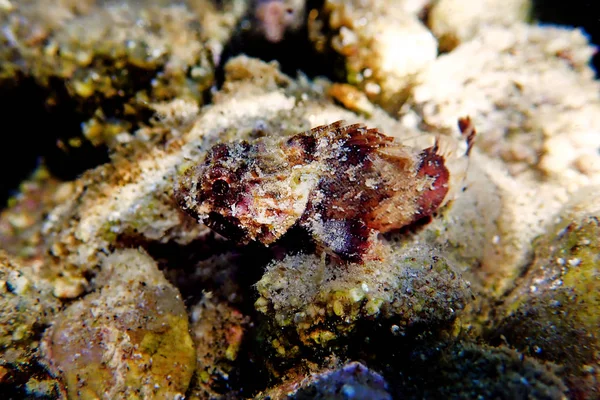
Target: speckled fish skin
point(342, 183)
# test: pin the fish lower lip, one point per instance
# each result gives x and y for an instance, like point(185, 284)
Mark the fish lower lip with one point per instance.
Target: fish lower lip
point(228, 227)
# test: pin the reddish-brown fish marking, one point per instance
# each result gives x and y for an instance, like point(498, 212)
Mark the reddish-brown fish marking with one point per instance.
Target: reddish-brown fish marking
point(342, 183)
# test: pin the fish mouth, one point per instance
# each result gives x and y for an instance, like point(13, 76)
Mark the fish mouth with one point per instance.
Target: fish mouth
point(228, 227)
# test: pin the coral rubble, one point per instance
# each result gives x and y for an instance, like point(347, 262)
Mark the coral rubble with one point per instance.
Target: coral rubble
point(218, 331)
point(26, 309)
point(27, 303)
point(453, 23)
point(531, 136)
point(107, 62)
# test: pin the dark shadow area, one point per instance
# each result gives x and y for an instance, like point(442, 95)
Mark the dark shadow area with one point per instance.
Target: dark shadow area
point(294, 53)
point(212, 263)
point(219, 266)
point(22, 367)
point(32, 130)
point(45, 123)
point(14, 383)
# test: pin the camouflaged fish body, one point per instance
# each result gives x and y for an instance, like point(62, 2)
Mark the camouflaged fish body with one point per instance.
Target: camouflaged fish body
point(343, 183)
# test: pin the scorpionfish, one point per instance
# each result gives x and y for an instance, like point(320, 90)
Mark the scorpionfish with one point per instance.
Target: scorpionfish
point(343, 183)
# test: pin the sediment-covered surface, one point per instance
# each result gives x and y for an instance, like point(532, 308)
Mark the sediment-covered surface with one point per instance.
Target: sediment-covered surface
point(109, 287)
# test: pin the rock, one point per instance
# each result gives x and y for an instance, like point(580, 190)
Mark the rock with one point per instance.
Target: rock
point(530, 92)
point(104, 63)
point(21, 221)
point(315, 304)
point(129, 338)
point(351, 381)
point(530, 143)
point(26, 309)
point(468, 370)
point(554, 311)
point(26, 303)
point(456, 21)
point(381, 46)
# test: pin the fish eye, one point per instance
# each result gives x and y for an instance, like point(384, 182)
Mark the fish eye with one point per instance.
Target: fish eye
point(220, 187)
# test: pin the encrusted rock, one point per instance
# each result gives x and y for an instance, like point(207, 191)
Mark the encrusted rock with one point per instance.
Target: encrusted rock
point(26, 302)
point(105, 62)
point(554, 312)
point(491, 225)
point(26, 308)
point(524, 166)
point(323, 302)
point(529, 90)
point(22, 219)
point(381, 45)
point(456, 21)
point(129, 338)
